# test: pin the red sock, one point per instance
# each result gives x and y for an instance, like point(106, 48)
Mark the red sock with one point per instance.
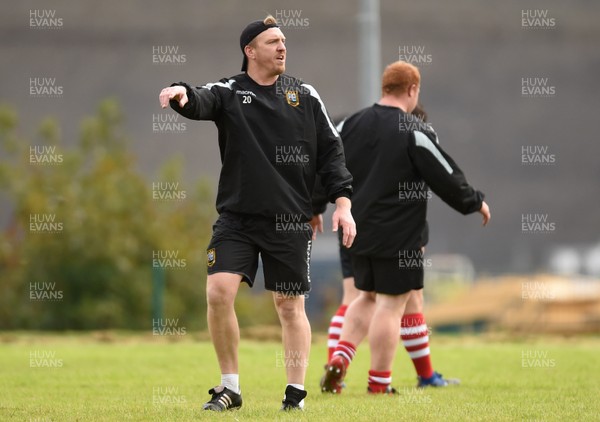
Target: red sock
point(379, 381)
point(415, 338)
point(335, 330)
point(345, 350)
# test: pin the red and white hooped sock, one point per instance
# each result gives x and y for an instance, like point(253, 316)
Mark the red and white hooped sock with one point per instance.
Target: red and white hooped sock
point(346, 350)
point(335, 330)
point(415, 337)
point(379, 381)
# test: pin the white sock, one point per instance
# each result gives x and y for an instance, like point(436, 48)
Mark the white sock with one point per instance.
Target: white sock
point(231, 381)
point(299, 387)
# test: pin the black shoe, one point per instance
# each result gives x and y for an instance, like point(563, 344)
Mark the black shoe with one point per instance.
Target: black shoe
point(223, 399)
point(292, 398)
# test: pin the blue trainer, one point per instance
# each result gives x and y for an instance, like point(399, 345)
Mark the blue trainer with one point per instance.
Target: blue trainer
point(436, 380)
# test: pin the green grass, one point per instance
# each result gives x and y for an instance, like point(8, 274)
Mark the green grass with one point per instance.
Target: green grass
point(117, 381)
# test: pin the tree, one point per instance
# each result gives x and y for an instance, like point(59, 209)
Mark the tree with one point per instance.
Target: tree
point(85, 228)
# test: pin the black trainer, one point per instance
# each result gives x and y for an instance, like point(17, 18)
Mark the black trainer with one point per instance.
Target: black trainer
point(223, 399)
point(292, 398)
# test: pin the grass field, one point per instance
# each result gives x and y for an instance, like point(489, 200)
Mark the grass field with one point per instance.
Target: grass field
point(137, 378)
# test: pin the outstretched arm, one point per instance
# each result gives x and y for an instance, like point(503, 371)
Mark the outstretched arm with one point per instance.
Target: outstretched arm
point(177, 93)
point(197, 103)
point(444, 176)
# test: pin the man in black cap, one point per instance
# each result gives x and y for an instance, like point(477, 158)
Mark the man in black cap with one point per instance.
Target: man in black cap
point(274, 137)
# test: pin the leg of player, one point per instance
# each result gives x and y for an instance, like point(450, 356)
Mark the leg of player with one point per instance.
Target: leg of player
point(350, 291)
point(296, 338)
point(337, 321)
point(415, 337)
point(355, 329)
point(221, 290)
point(358, 317)
point(383, 340)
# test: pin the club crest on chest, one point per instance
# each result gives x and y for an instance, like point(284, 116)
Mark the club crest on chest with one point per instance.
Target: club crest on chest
point(292, 98)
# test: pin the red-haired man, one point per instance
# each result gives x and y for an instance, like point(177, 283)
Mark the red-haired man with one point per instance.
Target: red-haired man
point(393, 164)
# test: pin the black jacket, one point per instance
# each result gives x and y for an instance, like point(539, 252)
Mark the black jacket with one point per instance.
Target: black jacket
point(395, 158)
point(273, 141)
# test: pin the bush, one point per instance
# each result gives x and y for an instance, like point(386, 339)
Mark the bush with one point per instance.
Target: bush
point(83, 227)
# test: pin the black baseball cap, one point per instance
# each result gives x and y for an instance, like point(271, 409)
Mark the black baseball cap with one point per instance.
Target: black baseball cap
point(249, 33)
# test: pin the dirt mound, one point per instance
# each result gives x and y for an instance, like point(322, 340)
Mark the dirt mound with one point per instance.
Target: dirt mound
point(523, 304)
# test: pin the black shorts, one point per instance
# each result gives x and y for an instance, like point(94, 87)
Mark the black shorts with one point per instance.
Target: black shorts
point(392, 276)
point(284, 248)
point(346, 261)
